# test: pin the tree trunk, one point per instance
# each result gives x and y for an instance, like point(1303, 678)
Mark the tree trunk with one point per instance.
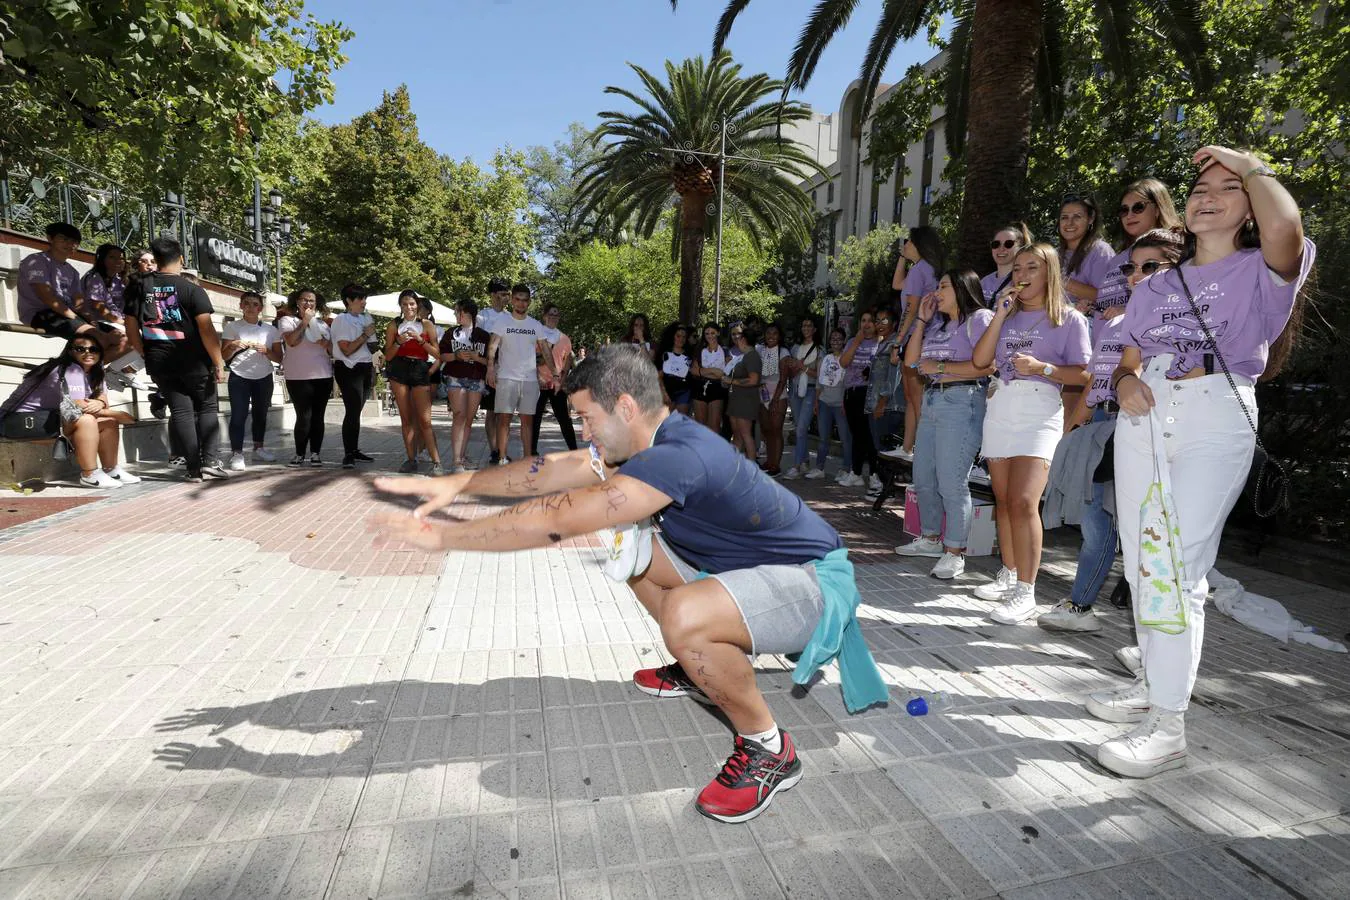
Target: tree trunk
point(693, 228)
point(1005, 38)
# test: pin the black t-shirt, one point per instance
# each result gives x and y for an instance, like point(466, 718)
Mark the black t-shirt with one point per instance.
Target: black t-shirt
point(456, 341)
point(166, 308)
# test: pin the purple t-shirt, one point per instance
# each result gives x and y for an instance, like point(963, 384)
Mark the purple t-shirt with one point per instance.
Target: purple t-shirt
point(47, 394)
point(110, 295)
point(1093, 267)
point(1031, 331)
point(853, 375)
point(954, 341)
point(39, 268)
point(990, 285)
point(920, 280)
point(1114, 289)
point(1106, 352)
point(1244, 303)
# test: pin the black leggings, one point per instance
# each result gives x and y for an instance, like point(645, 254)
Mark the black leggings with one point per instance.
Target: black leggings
point(309, 396)
point(194, 417)
point(855, 399)
point(558, 400)
point(354, 382)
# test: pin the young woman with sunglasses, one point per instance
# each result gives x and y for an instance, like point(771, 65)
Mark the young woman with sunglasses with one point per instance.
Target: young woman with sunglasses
point(308, 367)
point(743, 383)
point(705, 378)
point(857, 362)
point(1145, 206)
point(1038, 343)
point(1007, 241)
point(1197, 338)
point(77, 374)
point(1093, 420)
point(952, 321)
point(923, 252)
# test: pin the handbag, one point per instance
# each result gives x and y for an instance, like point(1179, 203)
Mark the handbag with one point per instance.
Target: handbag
point(1271, 480)
point(38, 425)
point(1161, 603)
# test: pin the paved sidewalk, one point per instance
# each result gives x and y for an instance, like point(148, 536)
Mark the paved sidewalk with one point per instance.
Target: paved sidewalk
point(229, 690)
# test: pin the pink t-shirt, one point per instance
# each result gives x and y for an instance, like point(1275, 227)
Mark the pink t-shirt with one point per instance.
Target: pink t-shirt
point(1106, 352)
point(954, 341)
point(306, 360)
point(1244, 303)
point(1031, 331)
point(1093, 267)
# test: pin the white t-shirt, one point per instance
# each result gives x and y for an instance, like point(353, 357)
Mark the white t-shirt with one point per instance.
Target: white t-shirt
point(487, 317)
point(306, 360)
point(712, 359)
point(349, 327)
point(250, 364)
point(809, 355)
point(519, 343)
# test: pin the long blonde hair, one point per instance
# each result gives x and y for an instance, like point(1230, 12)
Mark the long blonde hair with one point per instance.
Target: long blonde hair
point(1056, 307)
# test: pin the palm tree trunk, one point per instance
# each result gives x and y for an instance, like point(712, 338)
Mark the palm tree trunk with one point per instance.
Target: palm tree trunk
point(693, 227)
point(1005, 37)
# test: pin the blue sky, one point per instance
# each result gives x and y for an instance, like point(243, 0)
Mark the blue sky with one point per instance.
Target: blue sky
point(486, 73)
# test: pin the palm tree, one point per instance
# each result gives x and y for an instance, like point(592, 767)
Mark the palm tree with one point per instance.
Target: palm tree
point(666, 152)
point(1002, 56)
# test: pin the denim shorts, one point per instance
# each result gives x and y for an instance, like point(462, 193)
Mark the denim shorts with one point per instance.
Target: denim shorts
point(472, 385)
point(780, 605)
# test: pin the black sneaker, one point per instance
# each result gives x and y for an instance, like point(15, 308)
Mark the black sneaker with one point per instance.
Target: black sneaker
point(362, 457)
point(296, 463)
point(669, 681)
point(349, 461)
point(214, 470)
point(315, 461)
point(749, 779)
point(159, 407)
point(495, 458)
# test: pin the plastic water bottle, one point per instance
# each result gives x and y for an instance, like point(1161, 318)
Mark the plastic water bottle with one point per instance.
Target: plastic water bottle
point(923, 704)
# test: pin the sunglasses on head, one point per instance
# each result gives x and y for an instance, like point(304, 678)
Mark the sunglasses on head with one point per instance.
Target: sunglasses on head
point(1006, 245)
point(1148, 267)
point(1135, 208)
point(1072, 198)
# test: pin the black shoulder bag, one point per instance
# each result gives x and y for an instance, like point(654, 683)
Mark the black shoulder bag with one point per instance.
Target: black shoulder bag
point(1270, 485)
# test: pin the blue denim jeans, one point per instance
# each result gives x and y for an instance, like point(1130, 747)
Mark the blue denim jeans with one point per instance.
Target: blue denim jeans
point(802, 412)
point(831, 416)
point(950, 430)
point(890, 421)
point(1098, 552)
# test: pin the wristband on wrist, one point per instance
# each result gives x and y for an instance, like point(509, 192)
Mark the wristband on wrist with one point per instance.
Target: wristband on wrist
point(1120, 376)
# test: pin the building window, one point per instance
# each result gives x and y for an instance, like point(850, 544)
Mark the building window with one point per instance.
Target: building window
point(927, 194)
point(829, 192)
point(813, 198)
point(928, 144)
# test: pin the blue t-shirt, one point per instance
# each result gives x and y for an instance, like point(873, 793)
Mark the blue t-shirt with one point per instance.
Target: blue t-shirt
point(725, 513)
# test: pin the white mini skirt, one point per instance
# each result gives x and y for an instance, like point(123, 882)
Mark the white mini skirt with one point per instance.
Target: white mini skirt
point(1024, 418)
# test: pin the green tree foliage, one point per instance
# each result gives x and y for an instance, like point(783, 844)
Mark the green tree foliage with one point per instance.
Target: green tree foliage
point(553, 176)
point(600, 285)
point(385, 210)
point(170, 87)
point(865, 266)
point(640, 171)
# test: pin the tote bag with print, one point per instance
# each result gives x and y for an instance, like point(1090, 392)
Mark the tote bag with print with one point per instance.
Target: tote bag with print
point(1160, 600)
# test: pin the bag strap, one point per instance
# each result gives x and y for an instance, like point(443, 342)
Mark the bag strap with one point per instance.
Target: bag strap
point(1281, 493)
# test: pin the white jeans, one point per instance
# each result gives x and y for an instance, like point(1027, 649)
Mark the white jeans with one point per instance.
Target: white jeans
point(1209, 447)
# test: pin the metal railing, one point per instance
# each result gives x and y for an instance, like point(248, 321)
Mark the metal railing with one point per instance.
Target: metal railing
point(104, 210)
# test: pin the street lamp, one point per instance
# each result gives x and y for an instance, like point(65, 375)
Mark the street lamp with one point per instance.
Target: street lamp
point(271, 226)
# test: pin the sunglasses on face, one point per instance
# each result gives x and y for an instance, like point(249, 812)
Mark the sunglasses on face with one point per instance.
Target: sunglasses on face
point(1006, 245)
point(1133, 209)
point(85, 348)
point(1148, 267)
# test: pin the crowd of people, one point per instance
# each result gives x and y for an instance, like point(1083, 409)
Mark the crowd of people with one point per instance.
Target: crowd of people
point(1109, 386)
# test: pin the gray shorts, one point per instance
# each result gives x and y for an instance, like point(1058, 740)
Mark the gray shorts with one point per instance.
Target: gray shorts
point(516, 396)
point(780, 605)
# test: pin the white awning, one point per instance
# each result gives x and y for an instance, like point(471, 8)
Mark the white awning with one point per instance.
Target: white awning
point(387, 305)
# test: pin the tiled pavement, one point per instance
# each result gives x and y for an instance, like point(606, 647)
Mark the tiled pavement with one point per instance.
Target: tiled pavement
point(230, 691)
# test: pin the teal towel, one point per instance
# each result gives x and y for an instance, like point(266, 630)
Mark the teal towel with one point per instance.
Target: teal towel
point(838, 635)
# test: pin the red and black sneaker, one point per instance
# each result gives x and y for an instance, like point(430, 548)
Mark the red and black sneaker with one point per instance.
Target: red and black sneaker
point(752, 775)
point(669, 681)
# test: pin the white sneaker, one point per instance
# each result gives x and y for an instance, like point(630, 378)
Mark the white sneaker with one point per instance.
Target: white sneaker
point(99, 479)
point(950, 566)
point(856, 481)
point(1127, 704)
point(123, 476)
point(921, 546)
point(1130, 658)
point(874, 484)
point(1068, 617)
point(792, 474)
point(814, 474)
point(1003, 582)
point(262, 454)
point(237, 462)
point(1156, 744)
point(1019, 605)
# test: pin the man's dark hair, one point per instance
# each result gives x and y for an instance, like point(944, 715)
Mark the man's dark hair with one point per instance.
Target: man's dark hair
point(353, 291)
point(498, 284)
point(166, 251)
point(468, 306)
point(521, 288)
point(618, 369)
point(65, 230)
point(252, 295)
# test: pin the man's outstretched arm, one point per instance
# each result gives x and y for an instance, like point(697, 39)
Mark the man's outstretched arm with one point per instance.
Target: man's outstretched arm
point(523, 478)
point(540, 522)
